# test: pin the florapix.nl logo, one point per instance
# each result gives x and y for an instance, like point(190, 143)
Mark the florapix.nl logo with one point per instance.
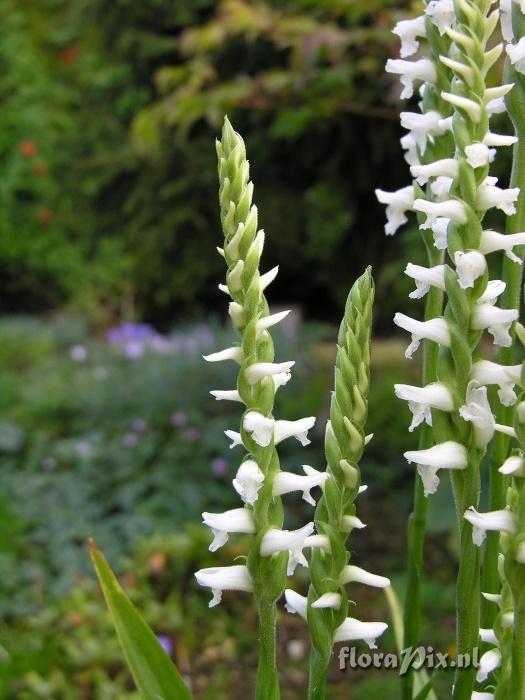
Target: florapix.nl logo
point(414, 658)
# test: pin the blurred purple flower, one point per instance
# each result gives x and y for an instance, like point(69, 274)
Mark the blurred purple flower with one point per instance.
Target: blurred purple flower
point(139, 425)
point(219, 466)
point(191, 434)
point(78, 353)
point(179, 419)
point(165, 643)
point(129, 440)
point(49, 463)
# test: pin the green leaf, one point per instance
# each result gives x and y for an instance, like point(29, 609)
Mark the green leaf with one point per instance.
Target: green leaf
point(156, 676)
point(425, 692)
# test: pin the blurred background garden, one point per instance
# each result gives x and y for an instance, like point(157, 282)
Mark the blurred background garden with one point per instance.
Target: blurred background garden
point(108, 299)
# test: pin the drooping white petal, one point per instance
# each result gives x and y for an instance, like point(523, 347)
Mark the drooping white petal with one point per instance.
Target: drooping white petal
point(260, 427)
point(493, 290)
point(234, 353)
point(449, 209)
point(409, 145)
point(513, 466)
point(281, 378)
point(234, 436)
point(423, 127)
point(276, 540)
point(411, 71)
point(425, 277)
point(259, 370)
point(248, 481)
point(488, 636)
point(422, 399)
point(495, 520)
point(444, 455)
point(478, 412)
point(352, 630)
point(294, 428)
point(469, 267)
point(226, 395)
point(441, 13)
point(328, 600)
point(492, 241)
point(489, 661)
point(440, 188)
point(479, 154)
point(445, 166)
point(286, 482)
point(504, 376)
point(489, 195)
point(221, 524)
point(408, 30)
point(497, 321)
point(397, 204)
point(506, 20)
point(440, 232)
point(356, 574)
point(224, 578)
point(493, 597)
point(516, 54)
point(296, 603)
point(435, 329)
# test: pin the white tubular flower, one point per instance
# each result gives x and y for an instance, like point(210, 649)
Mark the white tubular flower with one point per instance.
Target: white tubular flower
point(516, 54)
point(226, 395)
point(488, 196)
point(352, 630)
point(513, 466)
point(234, 353)
point(410, 71)
point(491, 139)
point(506, 20)
point(268, 277)
point(423, 127)
point(248, 481)
point(260, 428)
point(444, 455)
point(425, 277)
point(469, 267)
point(422, 399)
point(493, 597)
point(440, 232)
point(435, 329)
point(320, 541)
point(221, 524)
point(328, 600)
point(295, 603)
point(488, 636)
point(224, 578)
point(479, 154)
point(482, 696)
point(477, 411)
point(504, 376)
point(234, 436)
point(445, 167)
point(497, 321)
point(397, 204)
point(351, 522)
point(293, 428)
point(440, 188)
point(286, 482)
point(493, 290)
point(492, 241)
point(259, 370)
point(449, 209)
point(408, 30)
point(489, 661)
point(495, 520)
point(356, 574)
point(441, 13)
point(292, 540)
point(409, 145)
point(268, 321)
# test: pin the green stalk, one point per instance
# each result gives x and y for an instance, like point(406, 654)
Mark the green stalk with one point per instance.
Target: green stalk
point(267, 679)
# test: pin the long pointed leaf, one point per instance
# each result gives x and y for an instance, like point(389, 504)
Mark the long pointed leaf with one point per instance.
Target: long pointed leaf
point(155, 675)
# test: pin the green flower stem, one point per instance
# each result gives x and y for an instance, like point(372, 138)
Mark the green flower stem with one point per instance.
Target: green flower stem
point(512, 273)
point(267, 680)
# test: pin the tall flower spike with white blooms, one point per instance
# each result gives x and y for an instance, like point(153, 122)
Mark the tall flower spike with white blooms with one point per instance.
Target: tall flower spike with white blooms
point(335, 515)
point(273, 551)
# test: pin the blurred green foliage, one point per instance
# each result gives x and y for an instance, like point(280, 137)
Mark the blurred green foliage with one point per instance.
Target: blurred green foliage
point(107, 166)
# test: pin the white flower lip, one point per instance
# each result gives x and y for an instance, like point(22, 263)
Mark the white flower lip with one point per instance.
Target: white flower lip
point(493, 290)
point(445, 167)
point(516, 54)
point(495, 520)
point(259, 370)
point(286, 482)
point(422, 399)
point(276, 540)
point(408, 30)
point(356, 574)
point(423, 127)
point(248, 481)
point(469, 266)
point(224, 578)
point(352, 630)
point(233, 353)
point(505, 376)
point(226, 395)
point(489, 661)
point(489, 195)
point(444, 455)
point(450, 209)
point(296, 603)
point(435, 329)
point(221, 524)
point(492, 241)
point(328, 600)
point(293, 428)
point(441, 13)
point(397, 204)
point(478, 412)
point(497, 321)
point(410, 71)
point(478, 155)
point(513, 465)
point(260, 427)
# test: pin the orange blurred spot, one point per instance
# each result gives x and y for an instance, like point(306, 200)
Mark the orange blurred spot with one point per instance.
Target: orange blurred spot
point(45, 215)
point(28, 148)
point(157, 562)
point(69, 55)
point(40, 169)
